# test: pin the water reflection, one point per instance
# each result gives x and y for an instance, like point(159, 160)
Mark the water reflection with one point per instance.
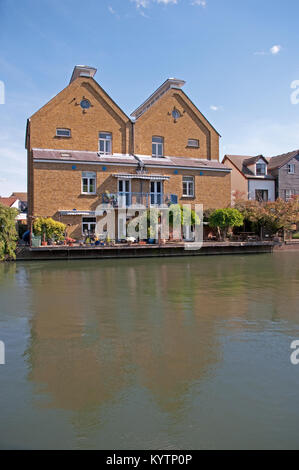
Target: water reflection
point(106, 332)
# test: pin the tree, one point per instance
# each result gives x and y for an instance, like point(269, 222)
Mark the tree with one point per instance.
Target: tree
point(223, 219)
point(48, 228)
point(8, 232)
point(271, 216)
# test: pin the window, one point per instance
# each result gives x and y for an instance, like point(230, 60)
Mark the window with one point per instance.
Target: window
point(289, 193)
point(88, 182)
point(89, 225)
point(262, 195)
point(193, 143)
point(63, 133)
point(291, 169)
point(105, 143)
point(188, 186)
point(176, 114)
point(261, 169)
point(85, 104)
point(157, 147)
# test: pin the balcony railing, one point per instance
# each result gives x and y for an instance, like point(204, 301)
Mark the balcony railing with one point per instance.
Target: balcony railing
point(124, 200)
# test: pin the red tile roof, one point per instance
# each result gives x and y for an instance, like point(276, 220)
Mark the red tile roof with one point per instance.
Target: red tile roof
point(8, 201)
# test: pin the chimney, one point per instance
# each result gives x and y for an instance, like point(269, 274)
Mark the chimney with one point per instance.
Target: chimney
point(83, 71)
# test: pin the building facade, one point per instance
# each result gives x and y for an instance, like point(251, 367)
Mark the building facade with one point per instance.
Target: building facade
point(83, 150)
point(251, 179)
point(285, 169)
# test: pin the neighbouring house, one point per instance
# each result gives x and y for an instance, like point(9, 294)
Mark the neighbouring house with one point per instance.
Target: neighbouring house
point(17, 201)
point(285, 169)
point(84, 150)
point(250, 178)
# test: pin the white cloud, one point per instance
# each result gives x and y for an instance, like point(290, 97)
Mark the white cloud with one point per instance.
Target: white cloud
point(216, 108)
point(201, 3)
point(141, 3)
point(166, 2)
point(146, 3)
point(111, 10)
point(275, 49)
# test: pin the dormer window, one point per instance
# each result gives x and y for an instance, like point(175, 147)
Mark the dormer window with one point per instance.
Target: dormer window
point(157, 147)
point(63, 132)
point(261, 169)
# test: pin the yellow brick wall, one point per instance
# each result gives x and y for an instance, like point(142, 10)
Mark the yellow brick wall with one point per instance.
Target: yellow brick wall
point(158, 121)
point(57, 187)
point(64, 111)
point(53, 186)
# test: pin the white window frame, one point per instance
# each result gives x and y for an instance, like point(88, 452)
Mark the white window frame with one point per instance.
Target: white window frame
point(89, 176)
point(291, 192)
point(190, 186)
point(194, 143)
point(261, 164)
point(291, 168)
point(107, 143)
point(156, 196)
point(89, 224)
point(156, 146)
point(63, 129)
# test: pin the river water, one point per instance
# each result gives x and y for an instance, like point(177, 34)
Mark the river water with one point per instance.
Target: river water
point(177, 353)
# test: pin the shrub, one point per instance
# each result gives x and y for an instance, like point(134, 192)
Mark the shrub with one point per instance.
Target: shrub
point(8, 232)
point(223, 219)
point(48, 228)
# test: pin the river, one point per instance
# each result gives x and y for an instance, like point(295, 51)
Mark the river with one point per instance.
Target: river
point(173, 353)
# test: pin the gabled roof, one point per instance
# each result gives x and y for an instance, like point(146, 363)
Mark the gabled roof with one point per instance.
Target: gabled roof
point(169, 83)
point(21, 196)
point(241, 162)
point(8, 201)
point(281, 160)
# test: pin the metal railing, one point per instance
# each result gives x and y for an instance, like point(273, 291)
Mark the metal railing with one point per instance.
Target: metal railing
point(123, 200)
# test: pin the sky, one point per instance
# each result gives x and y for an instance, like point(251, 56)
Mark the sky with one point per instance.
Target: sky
point(239, 60)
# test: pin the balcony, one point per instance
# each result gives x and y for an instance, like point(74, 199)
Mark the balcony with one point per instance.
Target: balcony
point(125, 200)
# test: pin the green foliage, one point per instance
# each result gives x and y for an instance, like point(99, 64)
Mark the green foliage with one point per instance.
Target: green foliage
point(223, 219)
point(296, 236)
point(48, 228)
point(271, 216)
point(8, 232)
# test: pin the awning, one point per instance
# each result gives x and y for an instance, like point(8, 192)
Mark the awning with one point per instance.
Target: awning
point(142, 177)
point(73, 212)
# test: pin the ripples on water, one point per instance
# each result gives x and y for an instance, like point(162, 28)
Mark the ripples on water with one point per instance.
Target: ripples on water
point(150, 354)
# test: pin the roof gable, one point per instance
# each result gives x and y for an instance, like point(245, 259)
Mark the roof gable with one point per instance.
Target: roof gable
point(281, 160)
point(88, 83)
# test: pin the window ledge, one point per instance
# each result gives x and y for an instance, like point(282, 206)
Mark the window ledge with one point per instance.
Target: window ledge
point(188, 197)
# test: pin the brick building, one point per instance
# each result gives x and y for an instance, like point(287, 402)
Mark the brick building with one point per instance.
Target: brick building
point(84, 150)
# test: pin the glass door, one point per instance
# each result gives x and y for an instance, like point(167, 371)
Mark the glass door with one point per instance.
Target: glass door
point(156, 193)
point(124, 193)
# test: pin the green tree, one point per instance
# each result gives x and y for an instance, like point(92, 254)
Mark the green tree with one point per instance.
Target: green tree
point(8, 232)
point(270, 216)
point(48, 228)
point(223, 219)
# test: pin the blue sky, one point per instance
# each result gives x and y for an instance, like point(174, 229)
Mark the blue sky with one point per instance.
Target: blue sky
point(238, 58)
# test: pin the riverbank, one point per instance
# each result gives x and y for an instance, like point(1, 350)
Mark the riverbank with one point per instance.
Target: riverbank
point(141, 251)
